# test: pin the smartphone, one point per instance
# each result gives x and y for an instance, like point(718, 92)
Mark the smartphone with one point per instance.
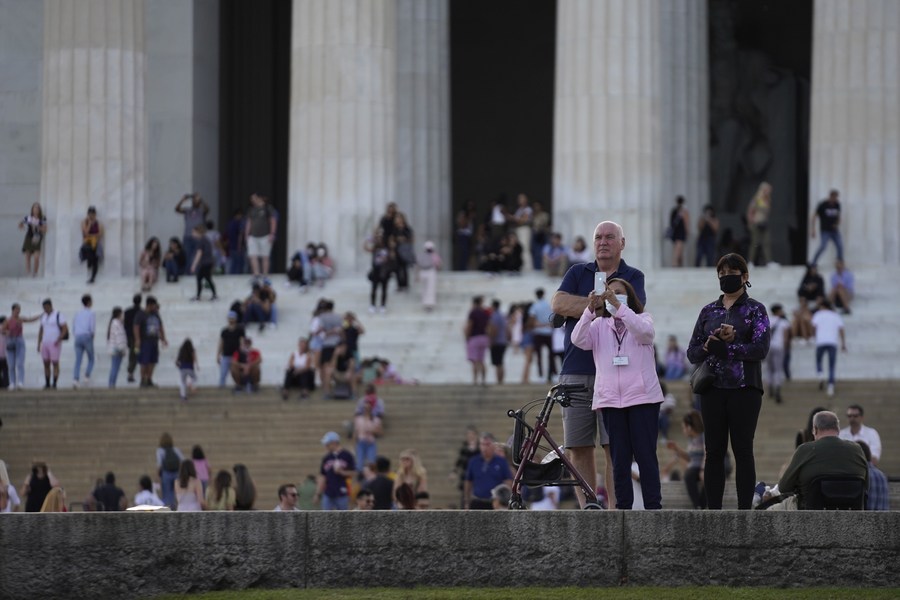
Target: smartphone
point(599, 282)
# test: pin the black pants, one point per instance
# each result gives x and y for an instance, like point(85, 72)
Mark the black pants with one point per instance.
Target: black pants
point(205, 272)
point(383, 283)
point(93, 261)
point(304, 380)
point(402, 276)
point(4, 374)
point(730, 413)
point(539, 342)
point(695, 487)
point(132, 358)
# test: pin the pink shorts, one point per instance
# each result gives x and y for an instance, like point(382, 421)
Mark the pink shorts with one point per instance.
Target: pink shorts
point(476, 346)
point(50, 352)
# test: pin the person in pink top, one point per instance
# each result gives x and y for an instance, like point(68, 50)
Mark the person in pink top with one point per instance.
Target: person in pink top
point(626, 388)
point(201, 465)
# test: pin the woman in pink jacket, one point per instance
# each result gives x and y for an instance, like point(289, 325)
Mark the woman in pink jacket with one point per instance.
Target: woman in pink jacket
point(626, 388)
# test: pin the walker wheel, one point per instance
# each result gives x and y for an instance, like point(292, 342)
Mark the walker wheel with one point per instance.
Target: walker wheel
point(515, 502)
point(592, 506)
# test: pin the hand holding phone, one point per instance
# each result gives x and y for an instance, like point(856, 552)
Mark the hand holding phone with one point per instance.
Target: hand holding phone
point(599, 282)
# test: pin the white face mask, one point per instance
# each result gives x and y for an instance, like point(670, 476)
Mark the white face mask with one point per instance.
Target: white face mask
point(622, 298)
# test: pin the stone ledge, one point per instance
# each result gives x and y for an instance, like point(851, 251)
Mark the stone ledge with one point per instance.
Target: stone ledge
point(129, 555)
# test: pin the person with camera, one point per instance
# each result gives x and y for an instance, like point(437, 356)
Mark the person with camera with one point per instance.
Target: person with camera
point(626, 388)
point(194, 209)
point(731, 336)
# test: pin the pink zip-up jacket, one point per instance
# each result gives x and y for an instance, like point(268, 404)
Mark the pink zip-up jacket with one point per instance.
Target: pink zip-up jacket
point(620, 386)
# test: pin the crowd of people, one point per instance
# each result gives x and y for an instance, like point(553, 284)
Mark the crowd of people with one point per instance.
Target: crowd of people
point(604, 343)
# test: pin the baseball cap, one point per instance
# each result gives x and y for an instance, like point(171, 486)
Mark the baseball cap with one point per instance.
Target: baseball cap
point(330, 437)
point(429, 245)
point(232, 314)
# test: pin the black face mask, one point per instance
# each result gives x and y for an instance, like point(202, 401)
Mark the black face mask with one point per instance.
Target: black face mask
point(729, 284)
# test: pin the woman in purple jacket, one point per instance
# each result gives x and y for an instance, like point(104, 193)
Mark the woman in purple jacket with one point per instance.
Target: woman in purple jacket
point(626, 387)
point(732, 337)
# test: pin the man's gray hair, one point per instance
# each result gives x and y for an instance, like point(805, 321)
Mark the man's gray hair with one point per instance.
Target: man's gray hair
point(618, 227)
point(826, 421)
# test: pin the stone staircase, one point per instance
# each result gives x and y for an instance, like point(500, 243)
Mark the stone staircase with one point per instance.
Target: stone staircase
point(84, 433)
point(429, 346)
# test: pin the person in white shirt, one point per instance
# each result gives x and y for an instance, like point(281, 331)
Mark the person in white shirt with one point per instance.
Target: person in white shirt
point(779, 339)
point(11, 501)
point(84, 326)
point(146, 497)
point(829, 328)
point(50, 337)
point(287, 498)
point(857, 432)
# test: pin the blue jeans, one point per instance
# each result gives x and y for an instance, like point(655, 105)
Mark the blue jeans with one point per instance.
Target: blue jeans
point(340, 503)
point(114, 364)
point(831, 351)
point(366, 452)
point(168, 488)
point(834, 236)
point(236, 263)
point(633, 432)
point(224, 370)
point(84, 343)
point(15, 357)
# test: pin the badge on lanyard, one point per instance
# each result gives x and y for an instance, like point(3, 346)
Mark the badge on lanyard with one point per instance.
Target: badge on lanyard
point(620, 361)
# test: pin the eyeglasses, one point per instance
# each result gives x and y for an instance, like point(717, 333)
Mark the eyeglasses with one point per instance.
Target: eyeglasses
point(853, 415)
point(293, 495)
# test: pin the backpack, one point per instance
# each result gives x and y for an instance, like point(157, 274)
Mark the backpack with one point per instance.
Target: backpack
point(63, 336)
point(170, 461)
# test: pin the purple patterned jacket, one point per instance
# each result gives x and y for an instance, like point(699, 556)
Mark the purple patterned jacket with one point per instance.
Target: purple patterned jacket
point(742, 367)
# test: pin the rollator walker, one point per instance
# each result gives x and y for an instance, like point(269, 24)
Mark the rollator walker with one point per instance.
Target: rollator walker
point(555, 469)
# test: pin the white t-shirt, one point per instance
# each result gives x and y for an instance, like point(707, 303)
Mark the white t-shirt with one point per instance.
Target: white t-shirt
point(14, 500)
point(279, 509)
point(867, 435)
point(777, 327)
point(147, 498)
point(299, 361)
point(51, 326)
point(828, 325)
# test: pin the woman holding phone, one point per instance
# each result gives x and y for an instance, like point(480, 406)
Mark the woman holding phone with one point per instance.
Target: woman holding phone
point(626, 388)
point(732, 336)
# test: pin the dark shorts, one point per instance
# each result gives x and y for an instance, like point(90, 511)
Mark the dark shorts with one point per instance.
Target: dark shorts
point(497, 352)
point(149, 354)
point(326, 355)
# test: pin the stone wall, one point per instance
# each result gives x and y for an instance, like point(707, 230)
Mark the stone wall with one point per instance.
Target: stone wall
point(140, 555)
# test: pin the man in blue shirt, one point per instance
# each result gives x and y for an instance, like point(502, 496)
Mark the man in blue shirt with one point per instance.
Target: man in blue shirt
point(484, 472)
point(580, 423)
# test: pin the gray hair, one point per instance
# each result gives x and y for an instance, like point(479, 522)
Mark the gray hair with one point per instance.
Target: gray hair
point(826, 421)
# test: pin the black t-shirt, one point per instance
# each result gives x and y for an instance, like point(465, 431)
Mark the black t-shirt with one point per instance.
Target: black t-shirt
point(130, 316)
point(149, 324)
point(383, 489)
point(351, 338)
point(206, 252)
point(231, 340)
point(829, 215)
point(109, 495)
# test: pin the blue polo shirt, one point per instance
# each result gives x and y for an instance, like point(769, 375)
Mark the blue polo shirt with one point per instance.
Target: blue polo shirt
point(579, 281)
point(485, 476)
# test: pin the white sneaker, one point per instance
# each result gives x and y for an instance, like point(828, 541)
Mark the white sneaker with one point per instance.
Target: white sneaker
point(382, 309)
point(830, 390)
point(11, 387)
point(75, 384)
point(372, 309)
point(20, 386)
point(87, 382)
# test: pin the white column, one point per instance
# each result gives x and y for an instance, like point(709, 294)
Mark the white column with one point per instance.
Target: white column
point(341, 168)
point(423, 120)
point(855, 129)
point(607, 153)
point(684, 107)
point(94, 129)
